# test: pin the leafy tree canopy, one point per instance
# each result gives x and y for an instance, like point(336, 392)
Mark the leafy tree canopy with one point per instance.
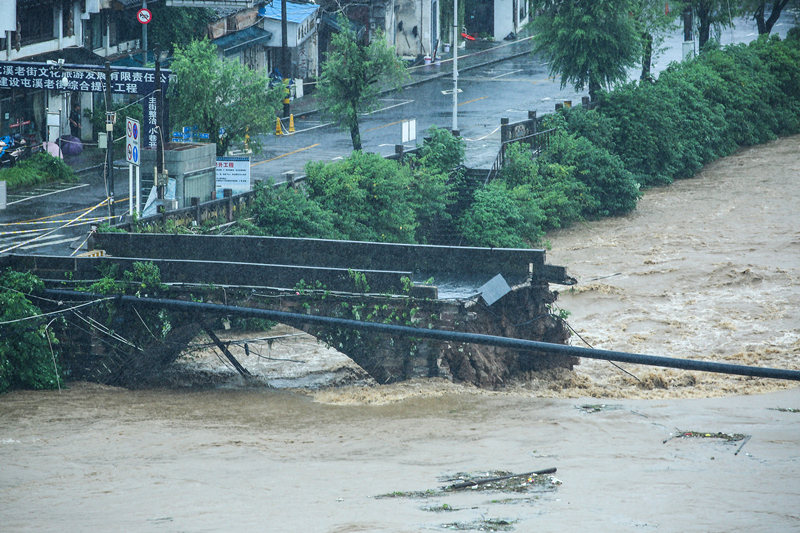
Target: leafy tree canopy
point(214, 93)
point(353, 75)
point(587, 44)
point(173, 27)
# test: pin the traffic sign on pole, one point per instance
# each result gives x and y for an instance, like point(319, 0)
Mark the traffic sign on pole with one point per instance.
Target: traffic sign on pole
point(144, 16)
point(132, 131)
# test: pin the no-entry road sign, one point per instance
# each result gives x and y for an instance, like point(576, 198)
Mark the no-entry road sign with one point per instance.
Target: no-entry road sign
point(144, 16)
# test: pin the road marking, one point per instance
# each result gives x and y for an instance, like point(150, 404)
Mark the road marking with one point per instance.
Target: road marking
point(22, 232)
point(18, 238)
point(405, 102)
point(384, 126)
point(48, 194)
point(311, 128)
point(506, 74)
point(284, 155)
point(53, 243)
point(473, 100)
point(45, 222)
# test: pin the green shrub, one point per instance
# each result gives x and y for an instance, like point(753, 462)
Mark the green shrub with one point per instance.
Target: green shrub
point(502, 217)
point(558, 194)
point(286, 212)
point(609, 188)
point(26, 360)
point(699, 110)
point(441, 151)
point(39, 168)
point(370, 197)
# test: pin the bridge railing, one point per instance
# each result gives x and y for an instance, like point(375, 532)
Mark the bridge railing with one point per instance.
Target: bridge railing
point(516, 263)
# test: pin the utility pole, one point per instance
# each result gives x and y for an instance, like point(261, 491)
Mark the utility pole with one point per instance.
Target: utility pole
point(159, 145)
point(455, 67)
point(687, 24)
point(144, 37)
point(109, 142)
point(284, 59)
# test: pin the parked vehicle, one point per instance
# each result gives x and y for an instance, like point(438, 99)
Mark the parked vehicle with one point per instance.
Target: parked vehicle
point(12, 150)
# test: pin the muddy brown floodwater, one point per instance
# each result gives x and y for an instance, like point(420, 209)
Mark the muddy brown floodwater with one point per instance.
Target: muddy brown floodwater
point(707, 268)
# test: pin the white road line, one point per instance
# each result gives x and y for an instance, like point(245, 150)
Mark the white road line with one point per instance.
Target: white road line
point(48, 194)
point(311, 128)
point(506, 74)
point(405, 102)
point(25, 238)
point(52, 243)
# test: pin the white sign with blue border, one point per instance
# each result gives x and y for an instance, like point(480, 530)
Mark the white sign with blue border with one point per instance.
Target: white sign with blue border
point(132, 131)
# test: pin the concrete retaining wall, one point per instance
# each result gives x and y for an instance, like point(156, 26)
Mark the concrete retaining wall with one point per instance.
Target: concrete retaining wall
point(54, 268)
point(512, 263)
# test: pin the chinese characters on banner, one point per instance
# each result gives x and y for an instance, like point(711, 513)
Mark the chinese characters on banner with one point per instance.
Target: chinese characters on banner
point(90, 78)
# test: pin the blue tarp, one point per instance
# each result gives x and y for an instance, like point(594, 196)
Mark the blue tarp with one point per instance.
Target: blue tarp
point(234, 42)
point(296, 13)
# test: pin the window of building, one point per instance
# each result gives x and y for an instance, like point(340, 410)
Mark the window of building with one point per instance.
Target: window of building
point(35, 23)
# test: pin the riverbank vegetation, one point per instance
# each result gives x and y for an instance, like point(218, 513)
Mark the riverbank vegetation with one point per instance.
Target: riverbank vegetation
point(642, 134)
point(599, 159)
point(27, 359)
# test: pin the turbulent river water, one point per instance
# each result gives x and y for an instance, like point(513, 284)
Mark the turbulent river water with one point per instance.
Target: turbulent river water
point(707, 268)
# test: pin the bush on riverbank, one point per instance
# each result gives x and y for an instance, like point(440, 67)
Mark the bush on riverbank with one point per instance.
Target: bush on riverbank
point(366, 197)
point(39, 168)
point(698, 111)
point(26, 357)
point(641, 134)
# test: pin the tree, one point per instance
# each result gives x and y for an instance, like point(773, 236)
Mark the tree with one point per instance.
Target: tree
point(502, 217)
point(352, 76)
point(712, 13)
point(758, 10)
point(177, 26)
point(289, 212)
point(213, 93)
point(653, 21)
point(587, 43)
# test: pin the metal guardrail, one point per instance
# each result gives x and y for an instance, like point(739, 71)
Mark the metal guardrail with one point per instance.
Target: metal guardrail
point(538, 142)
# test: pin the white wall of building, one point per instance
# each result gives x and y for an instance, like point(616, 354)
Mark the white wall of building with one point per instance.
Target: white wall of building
point(409, 27)
point(509, 16)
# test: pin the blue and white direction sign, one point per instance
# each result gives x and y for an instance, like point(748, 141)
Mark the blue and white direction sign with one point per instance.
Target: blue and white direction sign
point(132, 130)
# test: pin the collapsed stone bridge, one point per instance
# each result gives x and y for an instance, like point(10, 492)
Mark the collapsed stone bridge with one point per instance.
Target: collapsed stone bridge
point(502, 292)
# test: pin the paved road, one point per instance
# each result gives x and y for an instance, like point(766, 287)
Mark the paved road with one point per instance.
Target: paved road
point(494, 86)
point(497, 79)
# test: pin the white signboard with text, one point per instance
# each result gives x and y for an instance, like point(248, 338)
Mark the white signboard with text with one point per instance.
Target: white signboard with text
point(233, 173)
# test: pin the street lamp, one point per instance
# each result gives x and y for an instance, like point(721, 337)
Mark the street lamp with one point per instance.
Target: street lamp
point(455, 67)
point(64, 82)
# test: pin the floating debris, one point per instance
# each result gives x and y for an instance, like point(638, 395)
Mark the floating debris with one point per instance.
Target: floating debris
point(784, 409)
point(488, 524)
point(503, 481)
point(735, 437)
point(597, 407)
point(410, 494)
point(444, 508)
point(727, 437)
point(538, 481)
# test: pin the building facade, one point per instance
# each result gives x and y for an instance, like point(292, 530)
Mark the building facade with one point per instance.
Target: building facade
point(72, 31)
